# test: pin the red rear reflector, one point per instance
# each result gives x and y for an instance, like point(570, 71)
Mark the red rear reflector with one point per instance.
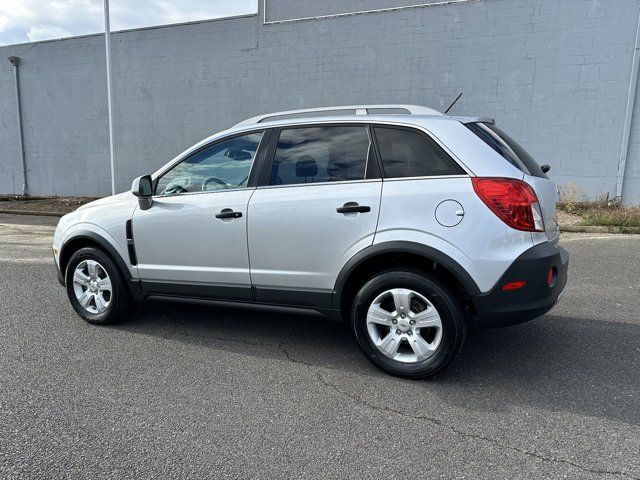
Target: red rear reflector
point(551, 276)
point(512, 200)
point(513, 285)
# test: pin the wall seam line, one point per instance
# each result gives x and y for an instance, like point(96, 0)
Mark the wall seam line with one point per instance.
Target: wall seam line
point(359, 12)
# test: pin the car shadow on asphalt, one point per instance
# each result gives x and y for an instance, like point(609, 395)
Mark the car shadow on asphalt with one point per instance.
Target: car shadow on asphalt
point(589, 367)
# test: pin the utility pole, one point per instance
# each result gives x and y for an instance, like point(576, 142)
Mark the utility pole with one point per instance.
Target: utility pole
point(107, 44)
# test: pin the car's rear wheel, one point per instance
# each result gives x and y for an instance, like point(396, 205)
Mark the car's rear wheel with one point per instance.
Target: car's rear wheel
point(408, 324)
point(96, 288)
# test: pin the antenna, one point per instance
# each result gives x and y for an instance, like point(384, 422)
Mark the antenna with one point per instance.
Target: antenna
point(454, 102)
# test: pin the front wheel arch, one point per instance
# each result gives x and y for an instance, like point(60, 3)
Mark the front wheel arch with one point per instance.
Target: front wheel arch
point(93, 240)
point(90, 239)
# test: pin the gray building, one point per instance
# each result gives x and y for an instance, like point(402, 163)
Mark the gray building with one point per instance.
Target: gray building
point(557, 75)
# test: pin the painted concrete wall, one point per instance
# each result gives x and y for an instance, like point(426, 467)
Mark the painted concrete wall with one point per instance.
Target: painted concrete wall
point(278, 10)
point(553, 74)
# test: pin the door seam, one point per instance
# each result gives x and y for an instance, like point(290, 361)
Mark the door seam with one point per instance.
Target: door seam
point(253, 293)
point(375, 232)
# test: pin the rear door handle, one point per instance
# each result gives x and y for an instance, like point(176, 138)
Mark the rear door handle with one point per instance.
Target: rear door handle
point(228, 213)
point(353, 207)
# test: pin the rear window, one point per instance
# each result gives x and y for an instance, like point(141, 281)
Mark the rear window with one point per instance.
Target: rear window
point(506, 146)
point(321, 154)
point(408, 153)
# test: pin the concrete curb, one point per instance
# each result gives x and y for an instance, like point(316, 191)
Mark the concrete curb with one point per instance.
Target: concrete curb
point(32, 212)
point(599, 229)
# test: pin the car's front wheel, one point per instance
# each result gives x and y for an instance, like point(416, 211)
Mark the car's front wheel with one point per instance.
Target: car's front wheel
point(96, 288)
point(408, 324)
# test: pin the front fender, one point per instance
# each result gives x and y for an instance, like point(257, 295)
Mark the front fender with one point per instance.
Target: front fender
point(109, 245)
point(117, 249)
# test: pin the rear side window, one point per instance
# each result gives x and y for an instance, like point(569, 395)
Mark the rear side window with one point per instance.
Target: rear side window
point(321, 154)
point(408, 153)
point(506, 146)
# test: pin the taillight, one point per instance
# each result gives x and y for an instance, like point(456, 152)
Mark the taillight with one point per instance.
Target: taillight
point(512, 200)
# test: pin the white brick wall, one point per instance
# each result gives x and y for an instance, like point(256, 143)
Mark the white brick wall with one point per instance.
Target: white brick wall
point(554, 74)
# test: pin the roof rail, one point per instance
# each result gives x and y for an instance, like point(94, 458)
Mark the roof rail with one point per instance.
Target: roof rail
point(358, 109)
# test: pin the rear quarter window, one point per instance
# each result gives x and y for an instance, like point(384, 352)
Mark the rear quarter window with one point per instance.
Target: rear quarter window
point(507, 147)
point(409, 153)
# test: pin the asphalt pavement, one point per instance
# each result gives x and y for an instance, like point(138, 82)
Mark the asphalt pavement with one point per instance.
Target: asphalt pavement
point(184, 391)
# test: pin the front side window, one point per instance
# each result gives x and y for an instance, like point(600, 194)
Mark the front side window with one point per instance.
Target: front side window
point(408, 153)
point(221, 166)
point(321, 154)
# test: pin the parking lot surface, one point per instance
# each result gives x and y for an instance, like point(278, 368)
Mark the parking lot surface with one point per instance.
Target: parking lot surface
point(219, 392)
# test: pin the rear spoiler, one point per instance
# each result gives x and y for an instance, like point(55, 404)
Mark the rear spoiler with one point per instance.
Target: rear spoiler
point(466, 120)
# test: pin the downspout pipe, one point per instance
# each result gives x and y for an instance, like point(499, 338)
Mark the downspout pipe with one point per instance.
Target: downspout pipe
point(631, 98)
point(15, 61)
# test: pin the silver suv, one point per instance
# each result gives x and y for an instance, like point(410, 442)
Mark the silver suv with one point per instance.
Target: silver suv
point(410, 225)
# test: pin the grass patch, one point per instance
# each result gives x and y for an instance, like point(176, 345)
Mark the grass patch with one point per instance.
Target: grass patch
point(603, 213)
point(619, 217)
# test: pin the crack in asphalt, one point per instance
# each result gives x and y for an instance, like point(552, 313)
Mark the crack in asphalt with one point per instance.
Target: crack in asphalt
point(440, 423)
point(435, 421)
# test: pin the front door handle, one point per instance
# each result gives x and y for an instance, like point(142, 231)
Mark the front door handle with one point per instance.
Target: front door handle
point(353, 207)
point(228, 213)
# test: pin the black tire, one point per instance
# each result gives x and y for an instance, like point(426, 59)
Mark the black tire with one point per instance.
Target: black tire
point(121, 304)
point(447, 305)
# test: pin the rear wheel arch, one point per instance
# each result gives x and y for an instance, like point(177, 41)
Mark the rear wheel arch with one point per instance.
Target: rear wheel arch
point(400, 255)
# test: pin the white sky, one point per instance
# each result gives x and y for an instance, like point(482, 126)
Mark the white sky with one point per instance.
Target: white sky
point(31, 20)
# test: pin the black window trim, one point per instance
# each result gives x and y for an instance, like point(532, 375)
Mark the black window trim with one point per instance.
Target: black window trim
point(256, 163)
point(524, 166)
point(496, 138)
point(425, 134)
point(371, 173)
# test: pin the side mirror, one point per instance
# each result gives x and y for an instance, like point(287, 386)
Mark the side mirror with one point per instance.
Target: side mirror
point(142, 187)
point(545, 168)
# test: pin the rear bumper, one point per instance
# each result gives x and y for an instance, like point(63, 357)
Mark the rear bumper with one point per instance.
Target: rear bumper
point(498, 308)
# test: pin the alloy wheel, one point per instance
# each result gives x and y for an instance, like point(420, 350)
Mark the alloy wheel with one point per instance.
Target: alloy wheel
point(404, 325)
point(92, 286)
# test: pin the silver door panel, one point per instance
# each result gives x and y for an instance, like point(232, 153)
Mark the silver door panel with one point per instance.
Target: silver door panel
point(180, 240)
point(298, 240)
